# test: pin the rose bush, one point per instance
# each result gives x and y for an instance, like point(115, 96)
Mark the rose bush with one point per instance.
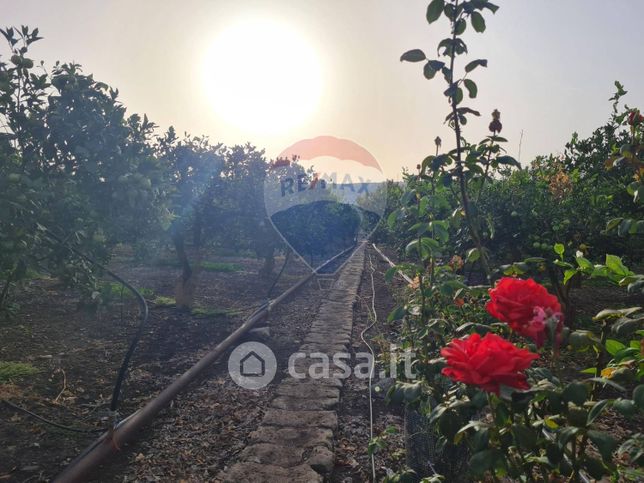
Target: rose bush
point(489, 415)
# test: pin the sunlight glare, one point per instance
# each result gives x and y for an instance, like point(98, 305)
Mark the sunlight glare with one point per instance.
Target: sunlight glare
point(262, 77)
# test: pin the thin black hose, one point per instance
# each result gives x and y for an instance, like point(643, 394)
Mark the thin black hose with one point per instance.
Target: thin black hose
point(49, 422)
point(144, 317)
point(286, 259)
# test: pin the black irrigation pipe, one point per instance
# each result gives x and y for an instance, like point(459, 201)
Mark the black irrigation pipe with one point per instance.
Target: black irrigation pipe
point(49, 422)
point(286, 259)
point(139, 332)
point(127, 429)
point(128, 355)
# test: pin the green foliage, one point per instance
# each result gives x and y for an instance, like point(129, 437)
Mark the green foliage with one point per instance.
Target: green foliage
point(71, 163)
point(469, 207)
point(75, 167)
point(14, 371)
point(162, 301)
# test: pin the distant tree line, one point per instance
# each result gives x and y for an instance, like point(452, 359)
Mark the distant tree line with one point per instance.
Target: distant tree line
point(77, 171)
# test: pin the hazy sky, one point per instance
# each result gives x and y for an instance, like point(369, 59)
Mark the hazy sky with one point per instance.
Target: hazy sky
point(552, 64)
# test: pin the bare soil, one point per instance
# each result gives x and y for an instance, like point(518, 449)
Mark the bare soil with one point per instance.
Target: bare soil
point(353, 463)
point(78, 354)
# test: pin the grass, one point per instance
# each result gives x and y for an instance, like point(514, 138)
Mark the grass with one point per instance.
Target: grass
point(207, 266)
point(11, 371)
point(210, 312)
point(161, 301)
point(112, 291)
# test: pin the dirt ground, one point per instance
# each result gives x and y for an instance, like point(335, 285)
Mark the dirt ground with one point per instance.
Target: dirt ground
point(78, 353)
point(353, 463)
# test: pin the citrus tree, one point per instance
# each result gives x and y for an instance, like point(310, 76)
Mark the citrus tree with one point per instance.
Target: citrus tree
point(74, 167)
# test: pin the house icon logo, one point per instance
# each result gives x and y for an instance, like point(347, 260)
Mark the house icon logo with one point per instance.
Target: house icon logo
point(252, 365)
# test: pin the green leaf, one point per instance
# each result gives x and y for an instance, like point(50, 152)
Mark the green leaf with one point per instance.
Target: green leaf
point(614, 346)
point(597, 409)
point(397, 314)
point(624, 227)
point(415, 55)
point(605, 443)
point(625, 327)
point(625, 407)
point(404, 392)
point(460, 26)
point(449, 424)
point(525, 437)
point(490, 6)
point(392, 219)
point(594, 467)
point(473, 254)
point(434, 10)
point(509, 160)
point(562, 264)
point(607, 382)
point(482, 461)
point(612, 224)
point(565, 435)
point(474, 64)
point(638, 396)
point(614, 263)
point(616, 313)
point(470, 85)
point(559, 248)
point(428, 71)
point(389, 274)
point(576, 392)
point(478, 22)
point(584, 263)
point(568, 274)
point(458, 97)
point(551, 423)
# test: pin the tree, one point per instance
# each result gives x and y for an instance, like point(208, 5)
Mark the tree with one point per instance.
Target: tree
point(72, 167)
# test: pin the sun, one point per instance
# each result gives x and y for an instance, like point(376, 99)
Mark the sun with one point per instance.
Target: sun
point(262, 77)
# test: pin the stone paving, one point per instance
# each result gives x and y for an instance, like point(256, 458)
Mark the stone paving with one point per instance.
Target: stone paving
point(294, 442)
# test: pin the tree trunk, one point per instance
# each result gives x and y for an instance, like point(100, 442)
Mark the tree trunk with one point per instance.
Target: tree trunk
point(269, 263)
point(185, 288)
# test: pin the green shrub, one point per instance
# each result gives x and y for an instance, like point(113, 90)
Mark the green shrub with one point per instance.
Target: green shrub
point(12, 371)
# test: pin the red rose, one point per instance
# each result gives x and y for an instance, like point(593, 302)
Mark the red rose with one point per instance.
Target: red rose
point(487, 362)
point(634, 118)
point(525, 306)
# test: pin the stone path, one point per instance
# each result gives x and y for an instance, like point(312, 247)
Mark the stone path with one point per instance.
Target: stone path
point(294, 442)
